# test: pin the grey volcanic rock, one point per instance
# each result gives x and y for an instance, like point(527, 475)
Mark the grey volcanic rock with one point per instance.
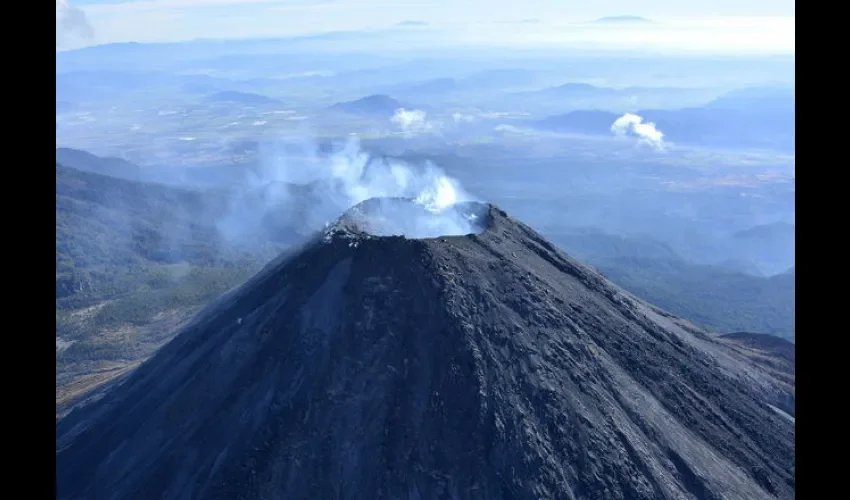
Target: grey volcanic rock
point(484, 366)
point(775, 355)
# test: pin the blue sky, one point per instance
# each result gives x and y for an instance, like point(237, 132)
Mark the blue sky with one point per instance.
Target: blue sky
point(758, 24)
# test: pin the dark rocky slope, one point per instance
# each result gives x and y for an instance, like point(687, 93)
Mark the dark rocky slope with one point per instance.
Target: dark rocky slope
point(481, 366)
point(777, 356)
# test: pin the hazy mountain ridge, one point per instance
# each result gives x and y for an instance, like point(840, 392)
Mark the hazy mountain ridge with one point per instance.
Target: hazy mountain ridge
point(377, 105)
point(736, 120)
point(233, 96)
point(623, 20)
point(731, 296)
point(775, 231)
point(85, 161)
point(197, 178)
point(716, 298)
point(133, 261)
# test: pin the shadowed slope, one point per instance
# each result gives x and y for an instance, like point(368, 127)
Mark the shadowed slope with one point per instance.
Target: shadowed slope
point(482, 366)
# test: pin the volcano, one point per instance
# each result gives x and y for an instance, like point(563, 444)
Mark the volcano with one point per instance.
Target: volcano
point(487, 365)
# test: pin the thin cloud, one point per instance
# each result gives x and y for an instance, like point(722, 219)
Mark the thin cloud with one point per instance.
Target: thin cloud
point(71, 25)
point(519, 21)
point(448, 21)
point(151, 5)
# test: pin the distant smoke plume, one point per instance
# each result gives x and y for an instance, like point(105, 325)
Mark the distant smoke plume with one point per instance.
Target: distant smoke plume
point(512, 129)
point(645, 131)
point(462, 118)
point(328, 185)
point(396, 217)
point(71, 25)
point(411, 122)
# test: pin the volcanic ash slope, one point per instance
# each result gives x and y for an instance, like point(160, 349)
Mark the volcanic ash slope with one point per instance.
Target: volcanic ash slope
point(485, 366)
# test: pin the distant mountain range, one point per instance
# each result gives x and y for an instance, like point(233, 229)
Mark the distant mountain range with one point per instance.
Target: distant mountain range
point(437, 86)
point(578, 91)
point(733, 296)
point(623, 20)
point(466, 89)
point(412, 23)
point(308, 48)
point(752, 119)
point(720, 299)
point(199, 177)
point(769, 233)
point(555, 100)
point(248, 98)
point(85, 161)
point(742, 266)
point(375, 106)
point(111, 85)
point(774, 243)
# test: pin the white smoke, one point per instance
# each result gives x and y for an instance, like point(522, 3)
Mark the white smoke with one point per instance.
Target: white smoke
point(416, 122)
point(335, 182)
point(394, 217)
point(505, 128)
point(411, 122)
point(462, 118)
point(441, 194)
point(71, 25)
point(645, 131)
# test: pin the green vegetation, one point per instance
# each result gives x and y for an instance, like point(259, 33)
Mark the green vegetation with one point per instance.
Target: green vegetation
point(134, 261)
point(138, 306)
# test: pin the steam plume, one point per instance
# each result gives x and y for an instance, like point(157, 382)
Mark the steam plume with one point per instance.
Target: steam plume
point(634, 124)
point(71, 24)
point(394, 217)
point(411, 122)
point(462, 118)
point(310, 191)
